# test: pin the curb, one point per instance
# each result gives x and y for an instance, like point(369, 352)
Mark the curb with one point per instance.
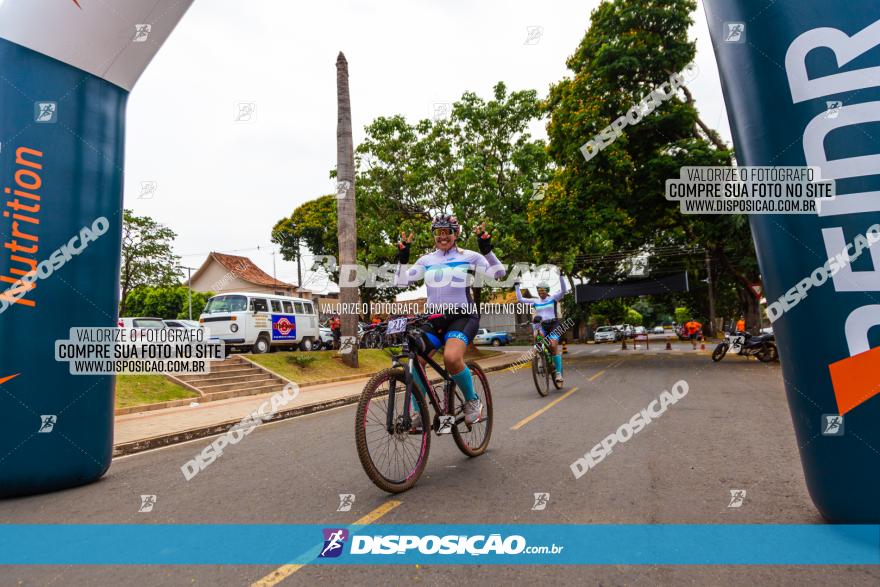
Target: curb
point(203, 399)
point(136, 446)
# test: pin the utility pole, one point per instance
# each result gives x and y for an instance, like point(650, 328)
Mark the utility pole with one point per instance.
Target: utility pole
point(711, 283)
point(299, 275)
point(345, 210)
point(189, 291)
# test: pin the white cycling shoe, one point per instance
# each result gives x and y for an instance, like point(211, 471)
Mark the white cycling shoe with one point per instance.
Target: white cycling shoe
point(559, 379)
point(473, 410)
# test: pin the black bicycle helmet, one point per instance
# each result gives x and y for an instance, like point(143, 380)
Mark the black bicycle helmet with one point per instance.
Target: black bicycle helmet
point(446, 221)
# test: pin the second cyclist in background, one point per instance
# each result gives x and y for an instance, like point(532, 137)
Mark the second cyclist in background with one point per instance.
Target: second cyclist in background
point(545, 309)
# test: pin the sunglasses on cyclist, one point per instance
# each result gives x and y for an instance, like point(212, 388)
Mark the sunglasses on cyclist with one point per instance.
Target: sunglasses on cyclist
point(442, 232)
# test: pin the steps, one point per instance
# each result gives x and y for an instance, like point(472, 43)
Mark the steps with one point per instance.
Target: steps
point(234, 377)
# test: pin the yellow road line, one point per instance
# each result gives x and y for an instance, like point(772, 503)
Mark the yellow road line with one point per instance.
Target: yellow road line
point(528, 419)
point(597, 374)
point(285, 571)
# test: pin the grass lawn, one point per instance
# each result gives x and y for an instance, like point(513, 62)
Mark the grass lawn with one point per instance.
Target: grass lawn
point(326, 365)
point(137, 390)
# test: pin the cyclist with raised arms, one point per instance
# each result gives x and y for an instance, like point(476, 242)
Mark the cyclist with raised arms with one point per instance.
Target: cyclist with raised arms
point(545, 310)
point(448, 272)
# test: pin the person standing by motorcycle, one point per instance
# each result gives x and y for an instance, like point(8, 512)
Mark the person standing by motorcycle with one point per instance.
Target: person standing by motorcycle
point(336, 330)
point(693, 329)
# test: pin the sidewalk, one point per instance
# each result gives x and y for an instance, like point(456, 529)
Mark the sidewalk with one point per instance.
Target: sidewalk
point(146, 430)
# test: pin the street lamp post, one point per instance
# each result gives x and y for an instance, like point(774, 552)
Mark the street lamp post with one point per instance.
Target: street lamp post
point(189, 297)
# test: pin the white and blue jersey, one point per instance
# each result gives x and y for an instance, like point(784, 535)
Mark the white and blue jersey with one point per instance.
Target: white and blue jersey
point(448, 275)
point(544, 308)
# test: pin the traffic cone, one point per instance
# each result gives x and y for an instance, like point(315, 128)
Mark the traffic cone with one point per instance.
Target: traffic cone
point(564, 347)
point(668, 344)
point(702, 343)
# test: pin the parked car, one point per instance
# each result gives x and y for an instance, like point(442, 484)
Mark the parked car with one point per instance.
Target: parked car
point(496, 338)
point(260, 322)
point(605, 334)
point(658, 330)
point(190, 324)
point(625, 330)
point(640, 330)
point(138, 324)
point(141, 322)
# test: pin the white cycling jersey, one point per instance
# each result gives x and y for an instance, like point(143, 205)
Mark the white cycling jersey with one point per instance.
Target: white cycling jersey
point(448, 274)
point(545, 308)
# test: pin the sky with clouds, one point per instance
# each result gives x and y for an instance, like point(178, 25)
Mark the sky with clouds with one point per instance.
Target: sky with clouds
point(222, 183)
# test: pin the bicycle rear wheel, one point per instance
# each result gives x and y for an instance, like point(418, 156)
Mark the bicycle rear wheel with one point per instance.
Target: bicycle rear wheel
point(395, 461)
point(473, 439)
point(541, 373)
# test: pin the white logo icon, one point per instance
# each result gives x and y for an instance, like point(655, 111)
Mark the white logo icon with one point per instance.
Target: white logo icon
point(541, 501)
point(833, 108)
point(148, 190)
point(734, 32)
point(47, 423)
point(245, 112)
point(533, 35)
point(832, 425)
point(346, 500)
point(539, 187)
point(147, 503)
point(141, 32)
point(442, 110)
point(45, 112)
point(737, 497)
point(342, 188)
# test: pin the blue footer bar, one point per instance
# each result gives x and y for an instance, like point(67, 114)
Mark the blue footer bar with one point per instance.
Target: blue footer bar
point(122, 544)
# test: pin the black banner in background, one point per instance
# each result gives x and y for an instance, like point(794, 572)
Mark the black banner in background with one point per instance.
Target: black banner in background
point(594, 292)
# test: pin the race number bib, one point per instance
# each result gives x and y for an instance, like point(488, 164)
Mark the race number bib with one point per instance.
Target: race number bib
point(396, 325)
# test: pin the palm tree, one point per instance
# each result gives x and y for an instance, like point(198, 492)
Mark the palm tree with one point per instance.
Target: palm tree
point(345, 204)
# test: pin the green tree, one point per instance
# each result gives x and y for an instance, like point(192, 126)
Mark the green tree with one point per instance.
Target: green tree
point(615, 201)
point(480, 164)
point(633, 317)
point(682, 315)
point(147, 256)
point(164, 302)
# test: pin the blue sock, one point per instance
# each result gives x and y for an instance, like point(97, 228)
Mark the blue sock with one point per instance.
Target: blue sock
point(417, 378)
point(557, 361)
point(465, 384)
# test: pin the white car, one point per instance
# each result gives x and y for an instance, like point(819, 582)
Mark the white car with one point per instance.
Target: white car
point(658, 330)
point(141, 322)
point(605, 334)
point(640, 330)
point(188, 324)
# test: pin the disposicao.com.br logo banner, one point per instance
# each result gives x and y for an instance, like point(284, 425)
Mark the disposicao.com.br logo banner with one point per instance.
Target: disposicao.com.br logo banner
point(507, 544)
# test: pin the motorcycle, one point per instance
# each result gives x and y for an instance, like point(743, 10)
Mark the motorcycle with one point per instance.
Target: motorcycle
point(742, 343)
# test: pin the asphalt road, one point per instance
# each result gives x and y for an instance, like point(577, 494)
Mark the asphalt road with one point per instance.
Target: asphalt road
point(732, 431)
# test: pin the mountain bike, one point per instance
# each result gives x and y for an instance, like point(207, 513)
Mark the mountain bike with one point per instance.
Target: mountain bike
point(392, 451)
point(543, 369)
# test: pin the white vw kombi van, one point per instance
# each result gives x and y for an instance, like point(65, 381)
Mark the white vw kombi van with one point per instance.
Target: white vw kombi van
point(257, 322)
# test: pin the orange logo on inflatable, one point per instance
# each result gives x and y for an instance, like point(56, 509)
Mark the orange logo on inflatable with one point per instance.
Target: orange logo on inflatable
point(855, 379)
point(5, 379)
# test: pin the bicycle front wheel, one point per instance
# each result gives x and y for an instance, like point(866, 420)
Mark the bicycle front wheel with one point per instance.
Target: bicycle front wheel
point(393, 460)
point(541, 373)
point(473, 439)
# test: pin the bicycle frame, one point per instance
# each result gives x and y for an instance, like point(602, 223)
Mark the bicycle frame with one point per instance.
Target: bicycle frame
point(410, 343)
